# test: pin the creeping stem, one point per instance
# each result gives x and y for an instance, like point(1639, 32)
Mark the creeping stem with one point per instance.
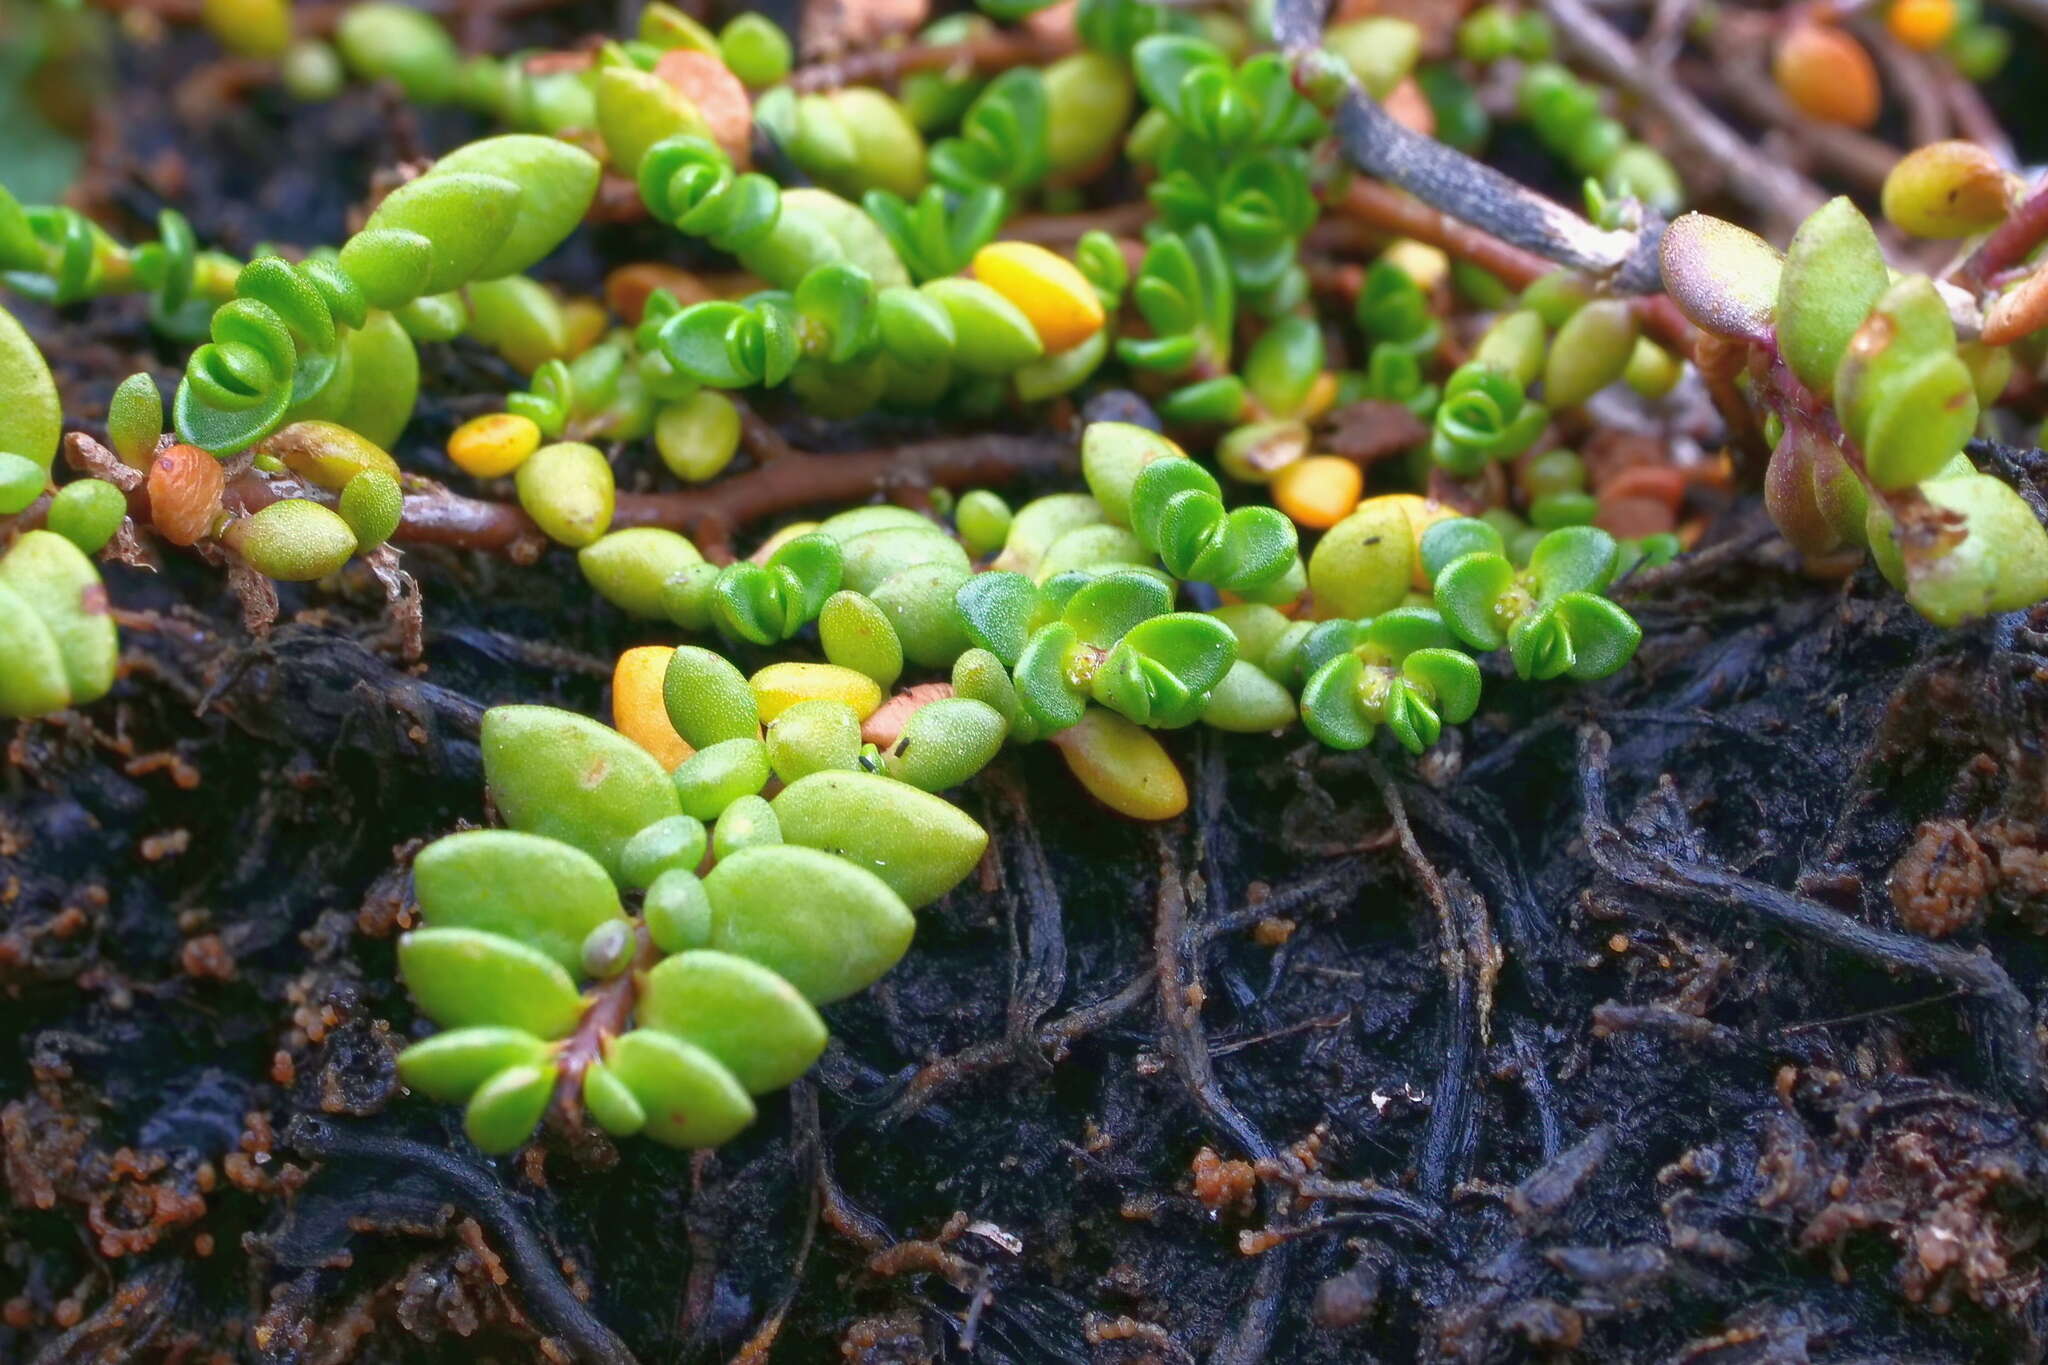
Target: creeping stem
point(1482, 196)
point(1449, 180)
point(710, 515)
point(1771, 188)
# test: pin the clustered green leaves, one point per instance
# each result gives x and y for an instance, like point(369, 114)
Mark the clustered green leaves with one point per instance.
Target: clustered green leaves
point(613, 951)
point(1228, 146)
point(1075, 607)
point(1564, 111)
point(55, 254)
point(1870, 401)
point(287, 345)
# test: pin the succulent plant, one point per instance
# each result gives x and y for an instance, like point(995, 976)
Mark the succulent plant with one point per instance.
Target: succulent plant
point(579, 961)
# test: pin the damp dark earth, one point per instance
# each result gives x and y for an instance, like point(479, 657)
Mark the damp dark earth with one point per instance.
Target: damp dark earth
point(1678, 999)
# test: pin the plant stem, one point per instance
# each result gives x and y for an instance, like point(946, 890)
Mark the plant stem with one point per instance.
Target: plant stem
point(1476, 193)
point(984, 54)
point(1389, 210)
point(1449, 181)
point(434, 515)
point(1739, 75)
point(1770, 189)
point(609, 1014)
point(2010, 242)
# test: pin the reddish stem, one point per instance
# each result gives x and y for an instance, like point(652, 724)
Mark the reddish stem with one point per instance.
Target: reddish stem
point(609, 1012)
point(2010, 242)
point(984, 53)
point(1064, 229)
point(711, 515)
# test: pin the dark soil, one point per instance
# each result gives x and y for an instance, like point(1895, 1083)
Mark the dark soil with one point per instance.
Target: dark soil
point(1527, 1051)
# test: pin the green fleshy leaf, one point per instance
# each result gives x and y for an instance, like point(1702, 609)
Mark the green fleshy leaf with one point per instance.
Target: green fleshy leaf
point(467, 216)
point(1572, 559)
point(915, 329)
point(827, 926)
point(857, 634)
point(1157, 484)
point(1396, 634)
point(873, 558)
point(839, 299)
point(707, 699)
point(1249, 701)
point(1164, 62)
point(1045, 689)
point(1540, 644)
point(687, 1098)
point(1909, 326)
point(466, 978)
point(999, 610)
point(1467, 591)
point(33, 683)
point(980, 676)
point(1449, 677)
point(611, 1104)
point(450, 1066)
point(677, 911)
point(557, 182)
point(992, 336)
point(1106, 608)
point(543, 893)
point(717, 775)
point(918, 602)
point(1453, 538)
point(390, 265)
point(1604, 637)
point(1195, 648)
point(920, 845)
point(562, 775)
point(2001, 563)
point(678, 842)
point(751, 1020)
point(1410, 715)
point(1040, 522)
point(1091, 551)
point(707, 341)
point(505, 1109)
point(386, 367)
point(1919, 422)
point(55, 581)
point(1284, 363)
point(1834, 275)
point(748, 821)
point(945, 742)
point(1332, 707)
point(1113, 454)
point(1322, 642)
